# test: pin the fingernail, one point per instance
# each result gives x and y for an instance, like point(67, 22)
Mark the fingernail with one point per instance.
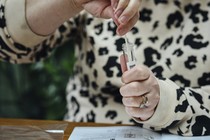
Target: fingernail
point(123, 19)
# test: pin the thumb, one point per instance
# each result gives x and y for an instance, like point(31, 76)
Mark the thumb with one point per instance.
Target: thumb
point(123, 63)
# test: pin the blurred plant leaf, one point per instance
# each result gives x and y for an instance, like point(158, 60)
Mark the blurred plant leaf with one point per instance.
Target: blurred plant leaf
point(36, 90)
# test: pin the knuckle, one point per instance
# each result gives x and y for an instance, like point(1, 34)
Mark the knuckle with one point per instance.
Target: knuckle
point(137, 88)
point(124, 101)
point(133, 86)
point(142, 72)
point(123, 79)
point(121, 91)
point(157, 97)
point(132, 11)
point(127, 101)
point(131, 111)
point(138, 69)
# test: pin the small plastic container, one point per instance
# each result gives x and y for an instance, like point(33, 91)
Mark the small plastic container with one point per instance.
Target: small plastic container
point(129, 54)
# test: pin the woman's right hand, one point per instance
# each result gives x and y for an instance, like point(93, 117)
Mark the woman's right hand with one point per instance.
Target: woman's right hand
point(125, 13)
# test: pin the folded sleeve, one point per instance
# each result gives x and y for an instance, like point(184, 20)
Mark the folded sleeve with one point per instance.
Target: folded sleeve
point(18, 43)
point(17, 25)
point(181, 110)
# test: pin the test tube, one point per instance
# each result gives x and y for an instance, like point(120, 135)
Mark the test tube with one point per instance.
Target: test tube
point(129, 54)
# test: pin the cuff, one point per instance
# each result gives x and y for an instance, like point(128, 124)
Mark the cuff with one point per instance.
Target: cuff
point(164, 113)
point(17, 25)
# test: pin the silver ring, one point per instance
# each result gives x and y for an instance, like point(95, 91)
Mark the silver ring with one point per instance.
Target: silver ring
point(144, 102)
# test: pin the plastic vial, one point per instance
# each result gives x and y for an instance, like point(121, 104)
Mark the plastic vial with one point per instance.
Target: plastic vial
point(129, 54)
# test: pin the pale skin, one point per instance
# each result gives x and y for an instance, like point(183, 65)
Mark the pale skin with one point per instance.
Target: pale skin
point(45, 16)
point(139, 81)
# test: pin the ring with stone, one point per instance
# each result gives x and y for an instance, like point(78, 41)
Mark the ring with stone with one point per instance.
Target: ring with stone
point(144, 102)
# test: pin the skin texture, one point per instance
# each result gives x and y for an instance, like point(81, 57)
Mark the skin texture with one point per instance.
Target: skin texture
point(139, 81)
point(125, 13)
point(44, 17)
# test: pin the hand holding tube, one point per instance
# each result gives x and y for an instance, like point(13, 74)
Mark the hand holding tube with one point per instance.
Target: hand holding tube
point(125, 13)
point(140, 90)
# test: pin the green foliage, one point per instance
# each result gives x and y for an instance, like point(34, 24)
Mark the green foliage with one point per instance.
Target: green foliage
point(36, 90)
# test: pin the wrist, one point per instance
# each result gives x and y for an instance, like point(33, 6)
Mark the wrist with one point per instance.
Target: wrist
point(44, 17)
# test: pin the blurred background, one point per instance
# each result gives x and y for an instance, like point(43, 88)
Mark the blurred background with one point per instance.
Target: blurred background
point(36, 91)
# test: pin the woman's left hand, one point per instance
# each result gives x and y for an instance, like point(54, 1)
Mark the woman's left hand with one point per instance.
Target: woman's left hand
point(125, 13)
point(140, 91)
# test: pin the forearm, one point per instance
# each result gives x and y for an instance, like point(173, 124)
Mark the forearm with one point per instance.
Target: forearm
point(45, 16)
point(19, 44)
point(181, 110)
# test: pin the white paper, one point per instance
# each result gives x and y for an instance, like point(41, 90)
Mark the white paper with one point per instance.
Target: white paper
point(175, 137)
point(124, 133)
point(113, 133)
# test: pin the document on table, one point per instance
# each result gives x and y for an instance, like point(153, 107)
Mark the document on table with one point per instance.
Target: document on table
point(124, 133)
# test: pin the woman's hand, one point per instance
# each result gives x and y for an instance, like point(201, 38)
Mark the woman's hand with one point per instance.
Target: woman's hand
point(140, 91)
point(125, 13)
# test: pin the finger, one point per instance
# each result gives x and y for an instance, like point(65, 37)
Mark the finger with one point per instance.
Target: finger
point(122, 4)
point(135, 88)
point(124, 28)
point(115, 20)
point(99, 8)
point(108, 13)
point(129, 12)
point(114, 4)
point(137, 73)
point(136, 112)
point(153, 98)
point(133, 101)
point(123, 63)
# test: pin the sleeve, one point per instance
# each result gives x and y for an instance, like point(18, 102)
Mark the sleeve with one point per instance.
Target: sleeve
point(18, 43)
point(181, 110)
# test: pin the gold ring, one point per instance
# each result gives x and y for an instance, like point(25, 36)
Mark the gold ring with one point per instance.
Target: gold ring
point(144, 102)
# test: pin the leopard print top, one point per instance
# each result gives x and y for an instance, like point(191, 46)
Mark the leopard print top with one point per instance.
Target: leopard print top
point(172, 39)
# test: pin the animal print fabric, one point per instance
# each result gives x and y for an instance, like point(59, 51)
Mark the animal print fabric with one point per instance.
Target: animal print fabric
point(172, 39)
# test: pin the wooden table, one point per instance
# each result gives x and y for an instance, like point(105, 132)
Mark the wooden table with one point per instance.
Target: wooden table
point(68, 130)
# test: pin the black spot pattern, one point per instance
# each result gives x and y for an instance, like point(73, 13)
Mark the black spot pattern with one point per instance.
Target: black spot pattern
point(201, 126)
point(195, 41)
point(174, 30)
point(112, 62)
point(191, 62)
point(204, 79)
point(103, 51)
point(2, 17)
point(145, 15)
point(174, 19)
point(90, 58)
point(181, 79)
point(195, 12)
point(111, 114)
point(150, 55)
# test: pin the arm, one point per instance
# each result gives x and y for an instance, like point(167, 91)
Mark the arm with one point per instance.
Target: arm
point(182, 110)
point(24, 36)
point(124, 13)
point(45, 16)
point(19, 43)
point(178, 110)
